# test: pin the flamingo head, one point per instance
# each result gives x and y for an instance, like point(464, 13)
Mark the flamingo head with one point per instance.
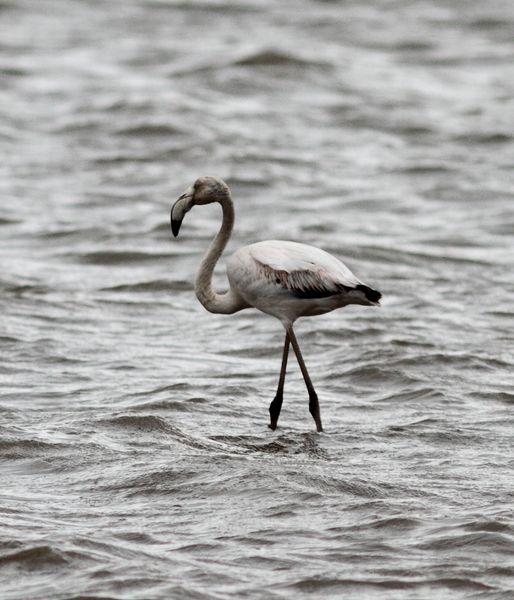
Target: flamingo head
point(204, 190)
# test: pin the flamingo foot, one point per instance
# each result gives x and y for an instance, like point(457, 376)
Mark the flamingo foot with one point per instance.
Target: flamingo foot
point(314, 410)
point(274, 411)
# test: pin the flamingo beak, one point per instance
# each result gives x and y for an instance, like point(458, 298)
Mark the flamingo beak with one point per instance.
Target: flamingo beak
point(183, 205)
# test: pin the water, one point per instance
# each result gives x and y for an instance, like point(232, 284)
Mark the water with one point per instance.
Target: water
point(136, 461)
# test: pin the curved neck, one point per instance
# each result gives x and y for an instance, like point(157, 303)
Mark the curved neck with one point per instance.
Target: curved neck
point(217, 303)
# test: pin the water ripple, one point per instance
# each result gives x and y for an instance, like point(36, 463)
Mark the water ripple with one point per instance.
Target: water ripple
point(136, 455)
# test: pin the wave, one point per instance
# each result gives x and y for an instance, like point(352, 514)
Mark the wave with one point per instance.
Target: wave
point(157, 285)
point(410, 256)
point(6, 221)
point(18, 448)
point(87, 232)
point(36, 557)
point(147, 423)
point(506, 397)
point(24, 288)
point(425, 394)
point(318, 584)
point(161, 482)
point(152, 424)
point(6, 339)
point(274, 58)
point(186, 405)
point(499, 137)
point(150, 130)
point(118, 257)
point(483, 541)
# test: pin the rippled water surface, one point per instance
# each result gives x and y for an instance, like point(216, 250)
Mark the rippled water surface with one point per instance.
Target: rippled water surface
point(136, 461)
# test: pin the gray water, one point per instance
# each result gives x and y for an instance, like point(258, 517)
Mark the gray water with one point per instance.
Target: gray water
point(136, 461)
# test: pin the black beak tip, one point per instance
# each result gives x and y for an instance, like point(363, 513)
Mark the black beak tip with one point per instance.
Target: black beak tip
point(175, 227)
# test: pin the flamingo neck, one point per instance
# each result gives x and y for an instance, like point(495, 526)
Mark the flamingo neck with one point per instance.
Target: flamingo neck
point(228, 302)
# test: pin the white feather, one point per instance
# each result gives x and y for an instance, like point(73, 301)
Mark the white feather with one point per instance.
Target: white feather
point(293, 257)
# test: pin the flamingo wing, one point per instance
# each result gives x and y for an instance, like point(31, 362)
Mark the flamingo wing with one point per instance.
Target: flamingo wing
point(305, 271)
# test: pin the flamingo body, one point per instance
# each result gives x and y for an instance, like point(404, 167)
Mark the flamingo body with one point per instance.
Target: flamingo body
point(289, 280)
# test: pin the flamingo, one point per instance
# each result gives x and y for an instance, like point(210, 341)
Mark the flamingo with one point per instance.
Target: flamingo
point(287, 280)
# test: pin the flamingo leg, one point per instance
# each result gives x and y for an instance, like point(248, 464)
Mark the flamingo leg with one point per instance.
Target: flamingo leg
point(313, 397)
point(276, 404)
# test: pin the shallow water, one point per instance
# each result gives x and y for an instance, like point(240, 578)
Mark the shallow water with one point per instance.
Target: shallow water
point(136, 460)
